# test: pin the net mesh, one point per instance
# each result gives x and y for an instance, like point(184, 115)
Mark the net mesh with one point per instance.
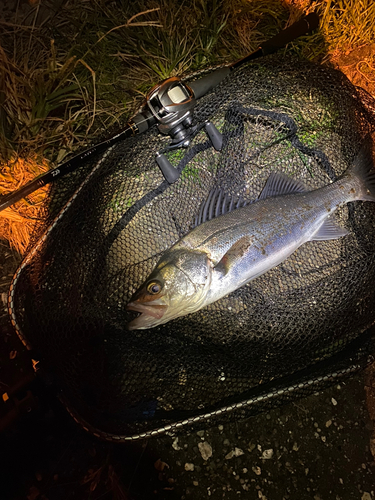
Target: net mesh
point(297, 328)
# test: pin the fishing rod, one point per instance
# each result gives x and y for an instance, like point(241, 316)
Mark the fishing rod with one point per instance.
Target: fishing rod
point(169, 104)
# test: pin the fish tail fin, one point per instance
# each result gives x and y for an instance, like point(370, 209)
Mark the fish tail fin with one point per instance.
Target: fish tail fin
point(364, 170)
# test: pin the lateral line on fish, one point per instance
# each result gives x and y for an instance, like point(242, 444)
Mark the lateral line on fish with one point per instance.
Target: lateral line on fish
point(217, 234)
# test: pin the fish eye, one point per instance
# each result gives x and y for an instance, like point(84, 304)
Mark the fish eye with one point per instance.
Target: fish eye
point(154, 287)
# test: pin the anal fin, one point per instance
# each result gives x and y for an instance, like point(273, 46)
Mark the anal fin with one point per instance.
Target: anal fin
point(329, 230)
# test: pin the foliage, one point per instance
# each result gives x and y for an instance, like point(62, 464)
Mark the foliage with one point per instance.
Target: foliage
point(70, 70)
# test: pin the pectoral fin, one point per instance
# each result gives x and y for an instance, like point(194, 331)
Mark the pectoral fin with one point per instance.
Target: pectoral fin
point(234, 254)
point(329, 230)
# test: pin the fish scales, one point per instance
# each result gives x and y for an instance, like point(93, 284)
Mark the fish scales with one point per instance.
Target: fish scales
point(232, 249)
point(277, 227)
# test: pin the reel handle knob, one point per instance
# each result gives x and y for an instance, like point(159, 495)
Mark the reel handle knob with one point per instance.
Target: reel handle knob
point(171, 174)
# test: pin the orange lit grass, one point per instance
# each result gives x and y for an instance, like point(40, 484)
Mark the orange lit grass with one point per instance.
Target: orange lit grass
point(17, 222)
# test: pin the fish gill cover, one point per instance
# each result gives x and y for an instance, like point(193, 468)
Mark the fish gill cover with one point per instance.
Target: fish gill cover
point(297, 328)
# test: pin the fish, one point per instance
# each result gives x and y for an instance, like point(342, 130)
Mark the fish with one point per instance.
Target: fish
point(226, 252)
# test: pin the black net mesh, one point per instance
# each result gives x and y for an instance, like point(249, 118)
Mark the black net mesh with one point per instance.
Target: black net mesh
point(297, 328)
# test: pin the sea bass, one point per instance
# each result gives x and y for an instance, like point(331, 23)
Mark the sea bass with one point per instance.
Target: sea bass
point(228, 251)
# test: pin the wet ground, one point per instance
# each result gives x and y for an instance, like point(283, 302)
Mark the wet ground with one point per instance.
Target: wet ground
point(318, 448)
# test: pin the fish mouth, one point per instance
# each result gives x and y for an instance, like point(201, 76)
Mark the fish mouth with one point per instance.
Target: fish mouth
point(149, 311)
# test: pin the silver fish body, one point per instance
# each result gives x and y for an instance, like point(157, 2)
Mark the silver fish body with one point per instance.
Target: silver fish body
point(232, 249)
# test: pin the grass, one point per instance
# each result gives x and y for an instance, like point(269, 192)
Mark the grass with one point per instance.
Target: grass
point(69, 74)
point(17, 224)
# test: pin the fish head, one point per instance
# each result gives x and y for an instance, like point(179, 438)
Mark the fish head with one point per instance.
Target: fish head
point(177, 286)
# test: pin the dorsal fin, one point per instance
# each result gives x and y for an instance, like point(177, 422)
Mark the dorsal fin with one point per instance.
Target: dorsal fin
point(217, 203)
point(280, 184)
